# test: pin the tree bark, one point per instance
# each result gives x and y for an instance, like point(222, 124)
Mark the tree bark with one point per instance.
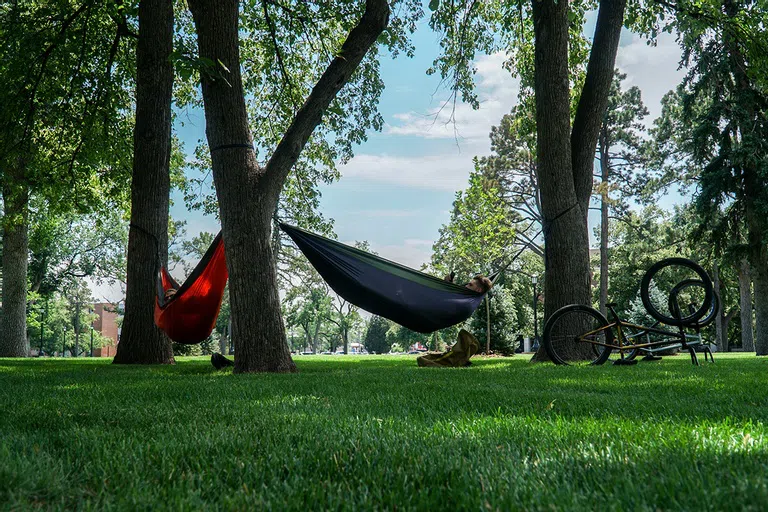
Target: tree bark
point(745, 304)
point(565, 156)
point(141, 342)
point(760, 278)
point(717, 285)
point(247, 192)
point(13, 322)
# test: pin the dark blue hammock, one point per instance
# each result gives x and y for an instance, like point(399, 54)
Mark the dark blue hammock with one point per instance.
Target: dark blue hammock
point(415, 300)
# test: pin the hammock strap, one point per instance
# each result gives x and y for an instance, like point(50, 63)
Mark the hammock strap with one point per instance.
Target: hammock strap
point(154, 239)
point(230, 146)
point(548, 222)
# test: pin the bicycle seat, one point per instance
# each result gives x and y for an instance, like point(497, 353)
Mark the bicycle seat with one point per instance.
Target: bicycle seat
point(611, 305)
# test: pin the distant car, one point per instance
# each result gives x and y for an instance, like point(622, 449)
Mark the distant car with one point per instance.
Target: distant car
point(326, 353)
point(307, 353)
point(412, 352)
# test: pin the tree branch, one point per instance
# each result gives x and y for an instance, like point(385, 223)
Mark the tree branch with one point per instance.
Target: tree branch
point(358, 42)
point(594, 95)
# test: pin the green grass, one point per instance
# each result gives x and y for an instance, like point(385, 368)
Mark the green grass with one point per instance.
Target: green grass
point(380, 433)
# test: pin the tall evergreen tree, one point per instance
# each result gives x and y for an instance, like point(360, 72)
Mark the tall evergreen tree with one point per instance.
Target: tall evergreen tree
point(619, 152)
point(716, 123)
point(375, 340)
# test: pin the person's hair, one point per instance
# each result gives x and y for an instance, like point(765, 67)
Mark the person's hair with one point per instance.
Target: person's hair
point(485, 283)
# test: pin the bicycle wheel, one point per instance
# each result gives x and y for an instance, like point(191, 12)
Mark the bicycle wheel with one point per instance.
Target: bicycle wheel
point(569, 331)
point(671, 272)
point(681, 289)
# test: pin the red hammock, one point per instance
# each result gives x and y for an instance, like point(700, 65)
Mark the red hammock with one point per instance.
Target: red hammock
point(190, 316)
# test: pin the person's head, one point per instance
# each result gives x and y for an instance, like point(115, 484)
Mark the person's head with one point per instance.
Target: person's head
point(480, 284)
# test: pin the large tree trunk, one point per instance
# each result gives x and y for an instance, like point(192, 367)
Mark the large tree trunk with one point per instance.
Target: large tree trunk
point(248, 193)
point(141, 342)
point(565, 156)
point(745, 305)
point(13, 322)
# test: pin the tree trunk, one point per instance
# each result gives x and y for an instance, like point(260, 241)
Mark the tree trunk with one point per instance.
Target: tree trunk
point(307, 339)
point(566, 249)
point(248, 193)
point(345, 339)
point(605, 168)
point(745, 304)
point(141, 342)
point(758, 263)
point(315, 336)
point(13, 322)
point(717, 285)
point(77, 325)
point(565, 156)
point(487, 324)
point(760, 278)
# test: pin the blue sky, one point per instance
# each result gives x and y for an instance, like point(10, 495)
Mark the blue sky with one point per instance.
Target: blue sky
point(398, 189)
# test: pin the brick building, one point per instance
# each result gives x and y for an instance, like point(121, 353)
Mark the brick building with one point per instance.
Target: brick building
point(106, 324)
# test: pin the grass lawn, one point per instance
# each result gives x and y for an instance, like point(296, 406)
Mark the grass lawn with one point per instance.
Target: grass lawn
point(379, 433)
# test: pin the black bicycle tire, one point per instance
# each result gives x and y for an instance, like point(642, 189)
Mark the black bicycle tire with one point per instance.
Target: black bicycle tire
point(681, 262)
point(709, 317)
point(561, 312)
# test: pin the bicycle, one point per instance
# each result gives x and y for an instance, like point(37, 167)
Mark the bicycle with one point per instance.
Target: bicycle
point(579, 333)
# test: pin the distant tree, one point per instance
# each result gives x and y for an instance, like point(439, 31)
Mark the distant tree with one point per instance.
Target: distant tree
point(65, 81)
point(480, 236)
point(714, 128)
point(405, 338)
point(503, 319)
point(619, 150)
point(375, 340)
point(511, 169)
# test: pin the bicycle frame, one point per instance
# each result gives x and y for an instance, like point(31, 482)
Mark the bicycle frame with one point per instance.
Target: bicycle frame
point(673, 339)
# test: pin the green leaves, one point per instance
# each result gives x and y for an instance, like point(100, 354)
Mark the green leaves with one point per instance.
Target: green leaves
point(480, 235)
point(188, 66)
point(434, 5)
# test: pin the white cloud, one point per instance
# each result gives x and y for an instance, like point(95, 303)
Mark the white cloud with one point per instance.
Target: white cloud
point(654, 69)
point(448, 170)
point(386, 213)
point(418, 242)
point(410, 255)
point(497, 91)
